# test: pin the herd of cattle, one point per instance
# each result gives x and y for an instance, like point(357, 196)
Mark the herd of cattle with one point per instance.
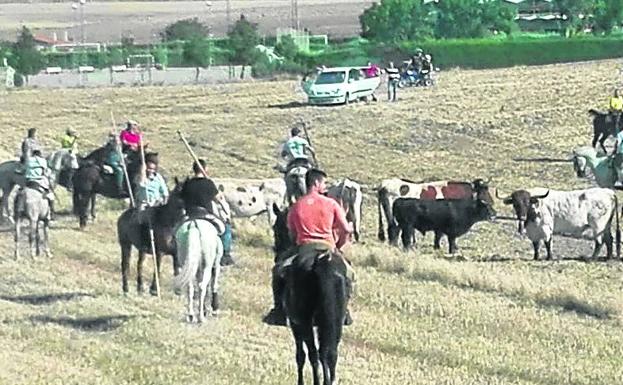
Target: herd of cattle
point(450, 208)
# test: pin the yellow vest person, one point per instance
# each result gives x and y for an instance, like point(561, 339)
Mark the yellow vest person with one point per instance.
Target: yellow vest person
point(69, 140)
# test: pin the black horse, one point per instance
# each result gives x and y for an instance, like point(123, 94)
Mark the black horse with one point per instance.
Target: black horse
point(603, 127)
point(90, 180)
point(130, 233)
point(316, 294)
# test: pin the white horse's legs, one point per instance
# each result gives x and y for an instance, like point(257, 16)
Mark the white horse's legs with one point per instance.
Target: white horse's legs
point(191, 311)
point(32, 238)
point(204, 284)
point(46, 239)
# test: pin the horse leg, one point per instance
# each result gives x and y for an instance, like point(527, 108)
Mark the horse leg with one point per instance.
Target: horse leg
point(300, 352)
point(216, 272)
point(46, 239)
point(37, 237)
point(203, 286)
point(190, 315)
point(152, 288)
point(18, 223)
point(139, 272)
point(312, 351)
point(93, 206)
point(126, 253)
point(32, 235)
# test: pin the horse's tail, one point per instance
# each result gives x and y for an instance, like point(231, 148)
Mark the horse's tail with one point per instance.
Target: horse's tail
point(189, 248)
point(594, 112)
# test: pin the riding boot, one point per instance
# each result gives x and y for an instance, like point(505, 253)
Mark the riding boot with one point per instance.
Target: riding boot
point(277, 316)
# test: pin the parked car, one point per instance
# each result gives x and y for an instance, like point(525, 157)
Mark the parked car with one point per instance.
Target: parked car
point(340, 85)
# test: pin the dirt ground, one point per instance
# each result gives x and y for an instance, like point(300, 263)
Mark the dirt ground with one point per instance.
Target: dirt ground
point(109, 21)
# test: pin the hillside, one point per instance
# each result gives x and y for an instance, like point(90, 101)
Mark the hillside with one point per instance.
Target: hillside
point(490, 315)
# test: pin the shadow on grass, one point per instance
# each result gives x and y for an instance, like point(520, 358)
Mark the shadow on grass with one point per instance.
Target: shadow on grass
point(89, 324)
point(44, 299)
point(287, 105)
point(564, 301)
point(543, 160)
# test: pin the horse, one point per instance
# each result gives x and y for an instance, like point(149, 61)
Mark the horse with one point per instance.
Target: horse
point(131, 233)
point(295, 181)
point(90, 180)
point(61, 163)
point(603, 127)
point(31, 204)
point(316, 294)
point(200, 249)
point(601, 166)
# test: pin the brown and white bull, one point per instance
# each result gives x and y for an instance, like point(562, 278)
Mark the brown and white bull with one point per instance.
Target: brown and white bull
point(580, 214)
point(391, 189)
point(251, 197)
point(348, 193)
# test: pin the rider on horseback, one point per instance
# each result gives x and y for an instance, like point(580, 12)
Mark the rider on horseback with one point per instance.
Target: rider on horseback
point(29, 145)
point(69, 141)
point(152, 191)
point(615, 107)
point(318, 225)
point(131, 138)
point(295, 150)
point(114, 160)
point(200, 195)
point(37, 175)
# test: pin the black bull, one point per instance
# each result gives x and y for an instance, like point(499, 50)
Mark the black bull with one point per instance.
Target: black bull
point(452, 218)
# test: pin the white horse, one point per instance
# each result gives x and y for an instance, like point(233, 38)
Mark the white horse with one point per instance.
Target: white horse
point(59, 162)
point(32, 205)
point(200, 249)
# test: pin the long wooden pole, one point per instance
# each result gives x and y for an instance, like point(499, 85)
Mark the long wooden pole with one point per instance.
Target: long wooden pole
point(310, 144)
point(151, 229)
point(125, 169)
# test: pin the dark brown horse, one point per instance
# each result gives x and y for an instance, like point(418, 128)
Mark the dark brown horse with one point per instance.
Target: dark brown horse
point(90, 180)
point(316, 294)
point(130, 233)
point(603, 127)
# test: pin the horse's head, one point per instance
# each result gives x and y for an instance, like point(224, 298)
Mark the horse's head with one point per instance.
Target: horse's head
point(174, 210)
point(280, 230)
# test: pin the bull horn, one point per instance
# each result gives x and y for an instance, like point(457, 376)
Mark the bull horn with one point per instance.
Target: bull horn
point(497, 195)
point(541, 196)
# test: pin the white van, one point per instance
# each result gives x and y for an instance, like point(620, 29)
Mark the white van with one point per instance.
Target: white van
point(340, 85)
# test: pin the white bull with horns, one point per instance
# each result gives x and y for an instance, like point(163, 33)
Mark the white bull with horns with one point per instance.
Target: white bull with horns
point(584, 214)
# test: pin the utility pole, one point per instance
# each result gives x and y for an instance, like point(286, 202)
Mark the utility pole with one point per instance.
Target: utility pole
point(228, 13)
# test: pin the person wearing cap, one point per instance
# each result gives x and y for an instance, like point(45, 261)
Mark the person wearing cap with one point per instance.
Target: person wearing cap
point(201, 200)
point(295, 150)
point(37, 175)
point(131, 137)
point(69, 141)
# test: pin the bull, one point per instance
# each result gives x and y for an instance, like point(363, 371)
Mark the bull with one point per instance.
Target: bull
point(584, 214)
point(349, 194)
point(392, 189)
point(252, 197)
point(450, 217)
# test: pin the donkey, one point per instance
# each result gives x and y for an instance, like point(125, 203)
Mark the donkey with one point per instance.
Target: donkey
point(316, 294)
point(200, 248)
point(30, 203)
point(131, 233)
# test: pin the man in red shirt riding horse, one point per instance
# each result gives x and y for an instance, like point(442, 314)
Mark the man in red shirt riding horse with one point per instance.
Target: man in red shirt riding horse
point(318, 225)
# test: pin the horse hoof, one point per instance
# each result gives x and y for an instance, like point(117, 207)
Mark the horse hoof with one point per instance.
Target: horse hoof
point(189, 318)
point(202, 319)
point(49, 254)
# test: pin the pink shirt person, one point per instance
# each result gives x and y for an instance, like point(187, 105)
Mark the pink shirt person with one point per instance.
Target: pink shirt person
point(130, 138)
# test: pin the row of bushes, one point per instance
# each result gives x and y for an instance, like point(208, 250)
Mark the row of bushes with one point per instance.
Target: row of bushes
point(476, 53)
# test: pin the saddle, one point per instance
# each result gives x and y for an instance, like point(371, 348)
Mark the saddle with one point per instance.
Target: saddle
point(200, 213)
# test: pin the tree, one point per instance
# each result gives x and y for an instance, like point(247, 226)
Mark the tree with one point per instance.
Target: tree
point(29, 60)
point(197, 52)
point(186, 29)
point(466, 18)
point(287, 47)
point(571, 10)
point(395, 20)
point(606, 15)
point(243, 39)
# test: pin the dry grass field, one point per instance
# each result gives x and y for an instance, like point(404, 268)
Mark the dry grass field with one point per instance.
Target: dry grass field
point(108, 21)
point(490, 315)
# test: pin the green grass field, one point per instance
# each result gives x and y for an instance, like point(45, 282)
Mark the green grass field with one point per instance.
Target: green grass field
point(490, 315)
